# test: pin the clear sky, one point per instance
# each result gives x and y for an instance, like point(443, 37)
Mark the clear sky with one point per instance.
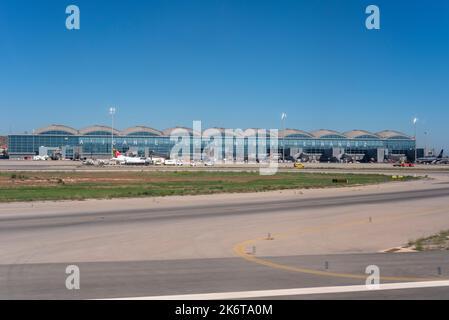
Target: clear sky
point(229, 63)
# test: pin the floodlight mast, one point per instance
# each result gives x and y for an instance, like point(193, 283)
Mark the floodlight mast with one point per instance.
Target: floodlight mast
point(112, 113)
point(283, 117)
point(415, 120)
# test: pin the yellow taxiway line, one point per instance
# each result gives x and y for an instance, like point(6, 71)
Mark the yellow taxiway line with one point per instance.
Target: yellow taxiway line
point(240, 250)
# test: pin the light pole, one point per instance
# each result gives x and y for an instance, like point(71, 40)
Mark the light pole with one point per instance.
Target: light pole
point(112, 113)
point(415, 120)
point(34, 152)
point(283, 117)
point(425, 144)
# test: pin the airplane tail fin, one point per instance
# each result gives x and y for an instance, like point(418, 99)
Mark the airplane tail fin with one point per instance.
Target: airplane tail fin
point(441, 154)
point(116, 153)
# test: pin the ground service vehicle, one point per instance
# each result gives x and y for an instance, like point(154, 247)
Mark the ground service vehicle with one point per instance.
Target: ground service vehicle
point(298, 165)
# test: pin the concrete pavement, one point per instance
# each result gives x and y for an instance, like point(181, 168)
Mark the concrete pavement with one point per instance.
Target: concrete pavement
point(200, 244)
point(187, 276)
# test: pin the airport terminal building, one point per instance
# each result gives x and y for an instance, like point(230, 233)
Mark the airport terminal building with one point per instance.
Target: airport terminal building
point(95, 142)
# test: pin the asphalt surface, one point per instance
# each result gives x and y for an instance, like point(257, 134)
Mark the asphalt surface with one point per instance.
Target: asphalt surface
point(173, 250)
point(102, 280)
point(147, 215)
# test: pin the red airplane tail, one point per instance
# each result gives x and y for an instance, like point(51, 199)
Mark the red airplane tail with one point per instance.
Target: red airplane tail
point(116, 153)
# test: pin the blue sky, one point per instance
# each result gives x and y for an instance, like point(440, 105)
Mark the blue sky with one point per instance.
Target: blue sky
point(229, 63)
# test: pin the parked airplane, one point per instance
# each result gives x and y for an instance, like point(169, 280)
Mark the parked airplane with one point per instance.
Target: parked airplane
point(433, 160)
point(121, 159)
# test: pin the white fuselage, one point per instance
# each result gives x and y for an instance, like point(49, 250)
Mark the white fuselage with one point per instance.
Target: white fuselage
point(129, 160)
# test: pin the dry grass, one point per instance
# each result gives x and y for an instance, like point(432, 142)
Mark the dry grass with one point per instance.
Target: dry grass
point(439, 241)
point(30, 186)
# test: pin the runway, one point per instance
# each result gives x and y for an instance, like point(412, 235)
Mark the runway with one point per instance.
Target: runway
point(218, 244)
point(178, 277)
point(148, 215)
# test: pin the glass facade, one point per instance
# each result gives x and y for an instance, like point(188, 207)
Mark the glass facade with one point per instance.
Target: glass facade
point(98, 143)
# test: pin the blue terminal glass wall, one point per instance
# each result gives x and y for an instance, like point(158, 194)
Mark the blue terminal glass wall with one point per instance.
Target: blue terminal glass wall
point(97, 142)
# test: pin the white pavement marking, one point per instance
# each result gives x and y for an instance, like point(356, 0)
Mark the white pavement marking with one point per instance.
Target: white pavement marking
point(294, 292)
